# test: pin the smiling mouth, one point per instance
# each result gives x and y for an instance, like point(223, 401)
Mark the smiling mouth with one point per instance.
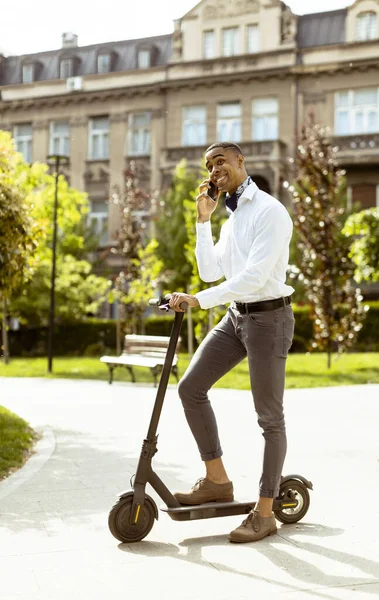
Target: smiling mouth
point(221, 181)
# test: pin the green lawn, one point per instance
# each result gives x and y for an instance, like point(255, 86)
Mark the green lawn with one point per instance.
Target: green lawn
point(16, 441)
point(302, 370)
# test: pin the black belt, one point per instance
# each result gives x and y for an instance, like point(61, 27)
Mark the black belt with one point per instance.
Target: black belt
point(251, 307)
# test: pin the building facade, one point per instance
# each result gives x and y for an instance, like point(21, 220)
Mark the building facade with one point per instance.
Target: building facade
point(249, 71)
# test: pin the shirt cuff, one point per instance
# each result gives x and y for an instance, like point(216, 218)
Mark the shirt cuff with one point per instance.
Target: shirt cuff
point(209, 298)
point(204, 231)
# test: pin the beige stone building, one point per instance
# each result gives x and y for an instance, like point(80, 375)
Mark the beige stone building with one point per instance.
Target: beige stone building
point(246, 70)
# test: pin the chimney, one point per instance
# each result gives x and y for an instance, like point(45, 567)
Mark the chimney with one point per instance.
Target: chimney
point(69, 40)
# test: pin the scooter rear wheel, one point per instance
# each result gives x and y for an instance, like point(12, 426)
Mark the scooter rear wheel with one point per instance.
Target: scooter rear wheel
point(119, 520)
point(293, 490)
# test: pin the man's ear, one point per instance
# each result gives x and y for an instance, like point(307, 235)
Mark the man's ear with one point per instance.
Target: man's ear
point(241, 160)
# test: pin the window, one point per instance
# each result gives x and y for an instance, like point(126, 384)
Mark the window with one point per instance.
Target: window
point(139, 133)
point(103, 63)
point(229, 122)
point(98, 138)
point(230, 41)
point(23, 135)
point(357, 111)
point(98, 216)
point(60, 138)
point(144, 59)
point(66, 68)
point(252, 39)
point(194, 126)
point(209, 44)
point(265, 119)
point(27, 73)
point(366, 26)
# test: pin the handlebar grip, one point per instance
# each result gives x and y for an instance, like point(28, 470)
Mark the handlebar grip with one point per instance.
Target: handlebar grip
point(154, 301)
point(184, 305)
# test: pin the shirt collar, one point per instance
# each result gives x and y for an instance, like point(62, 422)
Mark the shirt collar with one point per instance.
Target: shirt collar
point(247, 189)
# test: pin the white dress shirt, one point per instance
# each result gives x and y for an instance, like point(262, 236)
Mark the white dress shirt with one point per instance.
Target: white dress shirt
point(252, 253)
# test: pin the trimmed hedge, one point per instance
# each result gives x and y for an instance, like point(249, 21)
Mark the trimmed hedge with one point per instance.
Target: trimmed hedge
point(95, 337)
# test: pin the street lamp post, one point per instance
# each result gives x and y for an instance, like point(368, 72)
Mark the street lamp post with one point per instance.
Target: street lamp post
point(58, 160)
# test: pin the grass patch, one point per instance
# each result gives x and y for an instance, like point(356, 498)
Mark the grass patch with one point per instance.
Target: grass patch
point(303, 370)
point(16, 441)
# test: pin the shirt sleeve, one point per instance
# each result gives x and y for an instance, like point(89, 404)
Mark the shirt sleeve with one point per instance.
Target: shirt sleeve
point(273, 232)
point(207, 255)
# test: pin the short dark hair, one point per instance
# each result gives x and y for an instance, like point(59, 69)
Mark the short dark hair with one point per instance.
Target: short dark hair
point(226, 146)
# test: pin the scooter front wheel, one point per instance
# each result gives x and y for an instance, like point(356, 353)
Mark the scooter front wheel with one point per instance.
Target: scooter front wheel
point(119, 520)
point(289, 491)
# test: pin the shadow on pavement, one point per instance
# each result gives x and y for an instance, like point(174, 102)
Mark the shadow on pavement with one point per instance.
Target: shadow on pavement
point(82, 479)
point(272, 549)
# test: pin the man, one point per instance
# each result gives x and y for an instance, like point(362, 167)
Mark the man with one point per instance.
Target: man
point(252, 254)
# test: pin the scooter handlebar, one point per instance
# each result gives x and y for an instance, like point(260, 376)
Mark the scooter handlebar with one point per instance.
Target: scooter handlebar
point(163, 301)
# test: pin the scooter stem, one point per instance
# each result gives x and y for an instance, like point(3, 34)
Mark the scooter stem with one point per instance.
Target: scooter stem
point(165, 376)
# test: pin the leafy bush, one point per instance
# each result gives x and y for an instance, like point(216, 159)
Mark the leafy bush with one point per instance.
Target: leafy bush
point(95, 337)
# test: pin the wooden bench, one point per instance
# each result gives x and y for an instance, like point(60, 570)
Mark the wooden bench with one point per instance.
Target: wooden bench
point(142, 351)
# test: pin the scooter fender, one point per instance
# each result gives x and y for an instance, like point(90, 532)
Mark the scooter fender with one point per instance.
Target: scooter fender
point(147, 497)
point(307, 483)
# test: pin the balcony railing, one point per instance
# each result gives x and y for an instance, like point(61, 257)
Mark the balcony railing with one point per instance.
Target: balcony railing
point(272, 149)
point(357, 143)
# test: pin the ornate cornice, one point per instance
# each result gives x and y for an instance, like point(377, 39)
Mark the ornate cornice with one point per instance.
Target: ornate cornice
point(207, 78)
point(223, 9)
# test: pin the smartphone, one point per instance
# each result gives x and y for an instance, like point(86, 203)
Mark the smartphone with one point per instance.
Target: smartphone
point(212, 191)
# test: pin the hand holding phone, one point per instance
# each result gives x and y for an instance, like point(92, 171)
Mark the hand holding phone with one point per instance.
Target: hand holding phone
point(212, 191)
point(207, 200)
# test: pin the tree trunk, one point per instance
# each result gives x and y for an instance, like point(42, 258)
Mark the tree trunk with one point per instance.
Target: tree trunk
point(5, 334)
point(118, 329)
point(329, 354)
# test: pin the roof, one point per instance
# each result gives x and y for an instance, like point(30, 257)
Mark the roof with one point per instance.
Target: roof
point(125, 58)
point(322, 29)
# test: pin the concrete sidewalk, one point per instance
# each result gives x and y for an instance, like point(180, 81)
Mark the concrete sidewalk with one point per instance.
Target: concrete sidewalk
point(54, 538)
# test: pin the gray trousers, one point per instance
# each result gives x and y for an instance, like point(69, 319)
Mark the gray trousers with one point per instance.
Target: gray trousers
point(265, 338)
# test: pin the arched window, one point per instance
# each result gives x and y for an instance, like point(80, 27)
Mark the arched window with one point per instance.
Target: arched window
point(367, 26)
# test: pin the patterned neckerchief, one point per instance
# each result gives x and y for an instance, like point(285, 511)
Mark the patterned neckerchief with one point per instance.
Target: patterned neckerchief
point(232, 201)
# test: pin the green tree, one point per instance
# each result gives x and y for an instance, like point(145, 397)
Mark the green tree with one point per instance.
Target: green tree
point(172, 233)
point(319, 197)
point(136, 282)
point(78, 291)
point(17, 233)
point(363, 229)
point(145, 286)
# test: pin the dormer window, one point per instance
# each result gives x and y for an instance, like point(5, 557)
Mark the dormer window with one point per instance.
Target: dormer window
point(230, 41)
point(209, 44)
point(144, 59)
point(66, 68)
point(366, 25)
point(28, 73)
point(252, 39)
point(104, 63)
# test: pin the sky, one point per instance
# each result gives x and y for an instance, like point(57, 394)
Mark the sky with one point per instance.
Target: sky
point(37, 25)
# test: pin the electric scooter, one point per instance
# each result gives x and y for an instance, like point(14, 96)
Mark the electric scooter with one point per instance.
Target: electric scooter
point(133, 515)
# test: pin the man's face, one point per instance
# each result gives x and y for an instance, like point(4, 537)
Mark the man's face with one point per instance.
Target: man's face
point(226, 168)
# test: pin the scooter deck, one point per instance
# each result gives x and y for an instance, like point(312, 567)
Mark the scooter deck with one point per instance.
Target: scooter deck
point(210, 510)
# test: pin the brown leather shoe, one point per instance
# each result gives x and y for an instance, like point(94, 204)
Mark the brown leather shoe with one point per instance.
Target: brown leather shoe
point(205, 490)
point(254, 528)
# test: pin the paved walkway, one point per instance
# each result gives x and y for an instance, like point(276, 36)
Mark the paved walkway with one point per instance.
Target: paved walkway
point(54, 539)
